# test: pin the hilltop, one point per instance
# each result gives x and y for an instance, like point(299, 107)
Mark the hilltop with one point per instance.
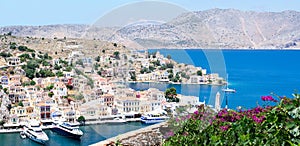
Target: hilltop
point(215, 28)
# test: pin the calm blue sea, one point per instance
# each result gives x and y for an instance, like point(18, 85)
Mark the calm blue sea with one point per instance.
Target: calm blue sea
point(92, 134)
point(253, 73)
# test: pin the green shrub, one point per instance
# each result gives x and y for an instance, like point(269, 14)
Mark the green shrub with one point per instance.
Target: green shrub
point(267, 125)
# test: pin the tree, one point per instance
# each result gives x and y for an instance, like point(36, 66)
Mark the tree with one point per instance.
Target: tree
point(170, 75)
point(46, 56)
point(144, 70)
point(98, 58)
point(20, 104)
point(68, 69)
point(199, 73)
point(33, 55)
point(170, 65)
point(9, 33)
point(50, 87)
point(115, 44)
point(132, 76)
point(13, 45)
point(169, 56)
point(9, 107)
point(117, 54)
point(70, 87)
point(171, 95)
point(79, 97)
point(80, 62)
point(151, 68)
point(32, 83)
point(3, 54)
point(59, 74)
point(99, 72)
point(45, 63)
point(50, 94)
point(5, 90)
point(22, 48)
point(2, 123)
point(32, 64)
point(81, 119)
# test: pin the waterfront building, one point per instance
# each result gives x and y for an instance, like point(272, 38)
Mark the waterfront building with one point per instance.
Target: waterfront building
point(44, 107)
point(4, 81)
point(20, 112)
point(108, 99)
point(13, 61)
point(128, 104)
point(93, 110)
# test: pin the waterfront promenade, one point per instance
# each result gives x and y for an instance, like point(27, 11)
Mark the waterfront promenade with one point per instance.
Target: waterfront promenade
point(16, 130)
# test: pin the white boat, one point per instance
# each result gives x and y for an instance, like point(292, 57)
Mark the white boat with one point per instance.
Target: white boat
point(33, 131)
point(22, 135)
point(228, 90)
point(117, 121)
point(153, 118)
point(68, 129)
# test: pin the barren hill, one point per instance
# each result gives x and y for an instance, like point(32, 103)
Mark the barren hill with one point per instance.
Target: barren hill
point(215, 28)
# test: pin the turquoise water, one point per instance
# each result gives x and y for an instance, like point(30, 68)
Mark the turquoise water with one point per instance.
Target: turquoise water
point(92, 134)
point(253, 73)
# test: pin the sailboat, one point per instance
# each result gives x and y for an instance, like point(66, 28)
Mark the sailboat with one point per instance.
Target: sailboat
point(228, 90)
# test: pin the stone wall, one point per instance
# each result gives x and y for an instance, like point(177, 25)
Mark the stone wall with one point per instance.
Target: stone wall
point(148, 136)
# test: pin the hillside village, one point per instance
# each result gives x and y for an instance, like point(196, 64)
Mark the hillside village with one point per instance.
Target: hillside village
point(41, 78)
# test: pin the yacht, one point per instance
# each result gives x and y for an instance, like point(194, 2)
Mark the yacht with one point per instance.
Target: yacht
point(33, 131)
point(67, 129)
point(228, 90)
point(153, 118)
point(117, 121)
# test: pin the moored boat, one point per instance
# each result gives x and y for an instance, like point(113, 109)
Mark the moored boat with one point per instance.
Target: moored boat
point(22, 135)
point(67, 129)
point(153, 118)
point(117, 121)
point(33, 131)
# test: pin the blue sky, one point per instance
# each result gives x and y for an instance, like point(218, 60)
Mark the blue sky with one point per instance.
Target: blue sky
point(38, 12)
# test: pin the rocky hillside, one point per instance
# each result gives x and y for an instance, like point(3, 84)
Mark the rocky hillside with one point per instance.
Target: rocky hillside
point(215, 28)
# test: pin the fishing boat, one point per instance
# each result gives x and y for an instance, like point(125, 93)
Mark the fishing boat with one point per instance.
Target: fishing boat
point(67, 129)
point(33, 131)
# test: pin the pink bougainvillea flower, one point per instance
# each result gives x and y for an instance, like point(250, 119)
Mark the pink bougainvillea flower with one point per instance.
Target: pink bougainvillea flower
point(224, 128)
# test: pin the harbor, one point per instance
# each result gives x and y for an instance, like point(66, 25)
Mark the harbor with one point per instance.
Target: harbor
point(92, 134)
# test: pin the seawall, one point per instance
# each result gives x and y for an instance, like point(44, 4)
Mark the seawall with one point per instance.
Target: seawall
point(150, 135)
